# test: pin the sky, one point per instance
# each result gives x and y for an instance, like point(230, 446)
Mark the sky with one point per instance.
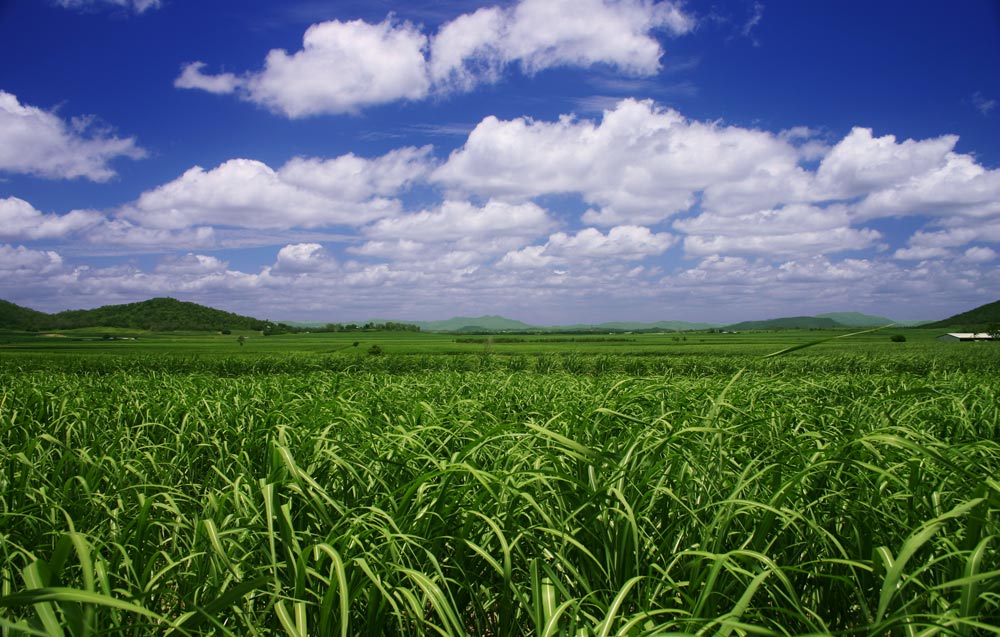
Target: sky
point(552, 161)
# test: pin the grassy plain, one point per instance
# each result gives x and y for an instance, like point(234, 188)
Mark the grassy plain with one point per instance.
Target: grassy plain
point(299, 485)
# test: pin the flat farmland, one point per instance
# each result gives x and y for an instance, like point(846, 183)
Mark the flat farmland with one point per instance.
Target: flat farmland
point(618, 485)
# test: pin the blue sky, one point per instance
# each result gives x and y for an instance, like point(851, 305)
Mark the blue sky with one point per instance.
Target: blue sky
point(554, 161)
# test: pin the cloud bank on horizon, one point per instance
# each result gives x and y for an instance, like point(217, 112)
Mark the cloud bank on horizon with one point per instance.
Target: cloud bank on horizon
point(639, 211)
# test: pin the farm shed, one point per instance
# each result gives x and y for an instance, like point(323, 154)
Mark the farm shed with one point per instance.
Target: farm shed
point(964, 336)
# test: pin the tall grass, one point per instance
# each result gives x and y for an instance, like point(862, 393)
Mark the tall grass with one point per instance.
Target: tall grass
point(793, 498)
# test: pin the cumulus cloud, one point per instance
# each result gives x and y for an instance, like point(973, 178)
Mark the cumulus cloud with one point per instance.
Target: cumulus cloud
point(920, 253)
point(467, 51)
point(138, 6)
point(302, 257)
point(19, 220)
point(16, 261)
point(528, 258)
point(628, 243)
point(959, 232)
point(353, 178)
point(455, 220)
point(957, 185)
point(344, 67)
point(305, 193)
point(192, 77)
point(861, 163)
point(240, 192)
point(979, 254)
point(38, 142)
point(784, 245)
point(752, 192)
point(640, 164)
point(794, 230)
point(121, 233)
point(540, 34)
point(191, 264)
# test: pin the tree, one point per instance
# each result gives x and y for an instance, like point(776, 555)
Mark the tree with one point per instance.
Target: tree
point(241, 340)
point(993, 329)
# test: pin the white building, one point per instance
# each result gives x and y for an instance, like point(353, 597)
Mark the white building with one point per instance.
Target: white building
point(964, 336)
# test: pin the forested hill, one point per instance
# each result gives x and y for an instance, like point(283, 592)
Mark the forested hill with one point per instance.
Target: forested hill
point(981, 316)
point(161, 314)
point(786, 323)
point(15, 317)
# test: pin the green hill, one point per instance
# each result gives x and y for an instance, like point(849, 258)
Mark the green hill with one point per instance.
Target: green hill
point(678, 326)
point(857, 319)
point(975, 319)
point(15, 317)
point(479, 324)
point(786, 323)
point(161, 314)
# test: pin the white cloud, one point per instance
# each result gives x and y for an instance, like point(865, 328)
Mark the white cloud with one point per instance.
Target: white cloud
point(528, 258)
point(540, 34)
point(753, 21)
point(461, 220)
point(861, 163)
point(192, 77)
point(982, 103)
point(139, 6)
point(822, 270)
point(305, 193)
point(920, 253)
point(782, 245)
point(344, 67)
point(925, 244)
point(398, 249)
point(240, 192)
point(547, 33)
point(641, 163)
point(979, 254)
point(957, 186)
point(17, 261)
point(341, 68)
point(795, 230)
point(466, 51)
point(353, 178)
point(303, 257)
point(38, 142)
point(19, 220)
point(191, 264)
point(121, 233)
point(627, 243)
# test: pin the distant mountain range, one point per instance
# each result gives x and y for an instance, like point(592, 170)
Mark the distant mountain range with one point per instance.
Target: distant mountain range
point(501, 324)
point(166, 314)
point(477, 324)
